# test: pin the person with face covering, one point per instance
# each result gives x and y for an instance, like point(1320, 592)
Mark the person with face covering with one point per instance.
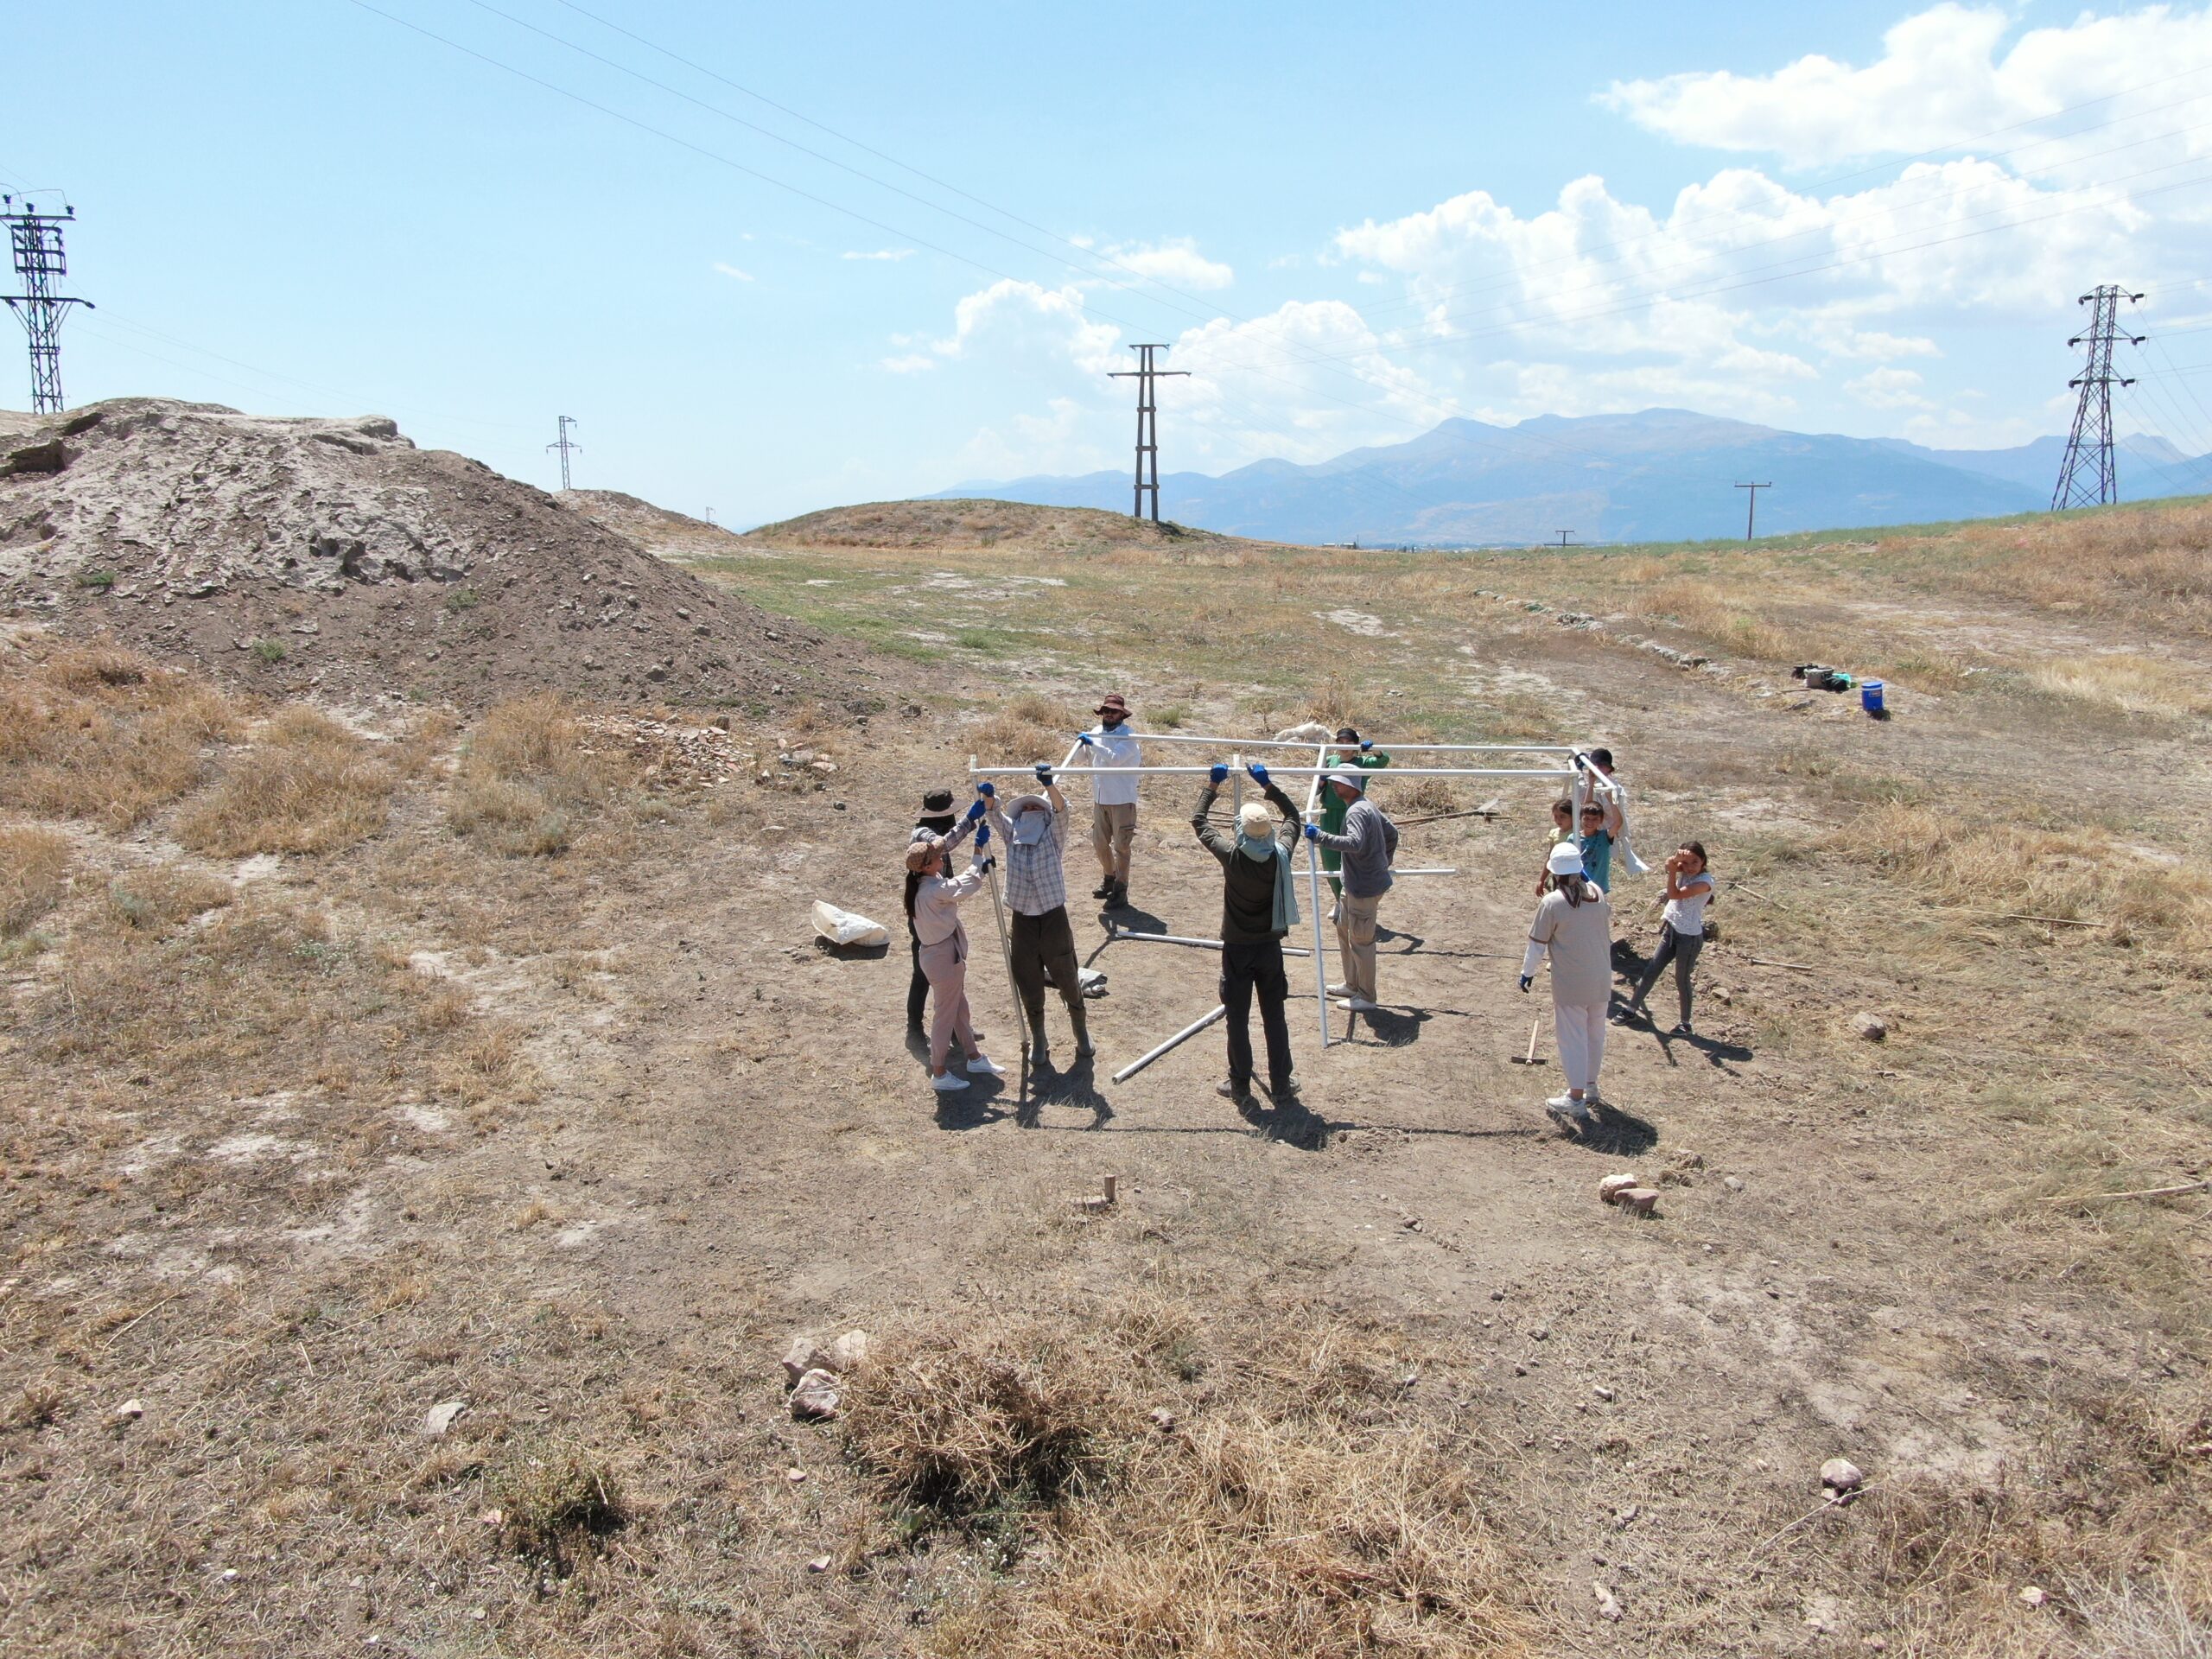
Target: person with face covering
point(1043, 944)
point(1112, 755)
point(1259, 907)
point(936, 818)
point(1573, 926)
point(1369, 843)
point(933, 907)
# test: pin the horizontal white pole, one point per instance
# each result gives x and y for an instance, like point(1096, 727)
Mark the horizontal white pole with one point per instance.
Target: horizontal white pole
point(1399, 872)
point(1188, 1031)
point(1312, 743)
point(1293, 772)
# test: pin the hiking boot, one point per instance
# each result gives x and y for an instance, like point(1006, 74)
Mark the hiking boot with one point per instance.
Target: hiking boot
point(1118, 897)
point(1104, 889)
point(1230, 1088)
point(948, 1083)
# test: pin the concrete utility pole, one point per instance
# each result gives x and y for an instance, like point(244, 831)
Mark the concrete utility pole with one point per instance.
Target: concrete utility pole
point(1147, 423)
point(1751, 513)
point(2088, 449)
point(562, 444)
point(1563, 534)
point(40, 260)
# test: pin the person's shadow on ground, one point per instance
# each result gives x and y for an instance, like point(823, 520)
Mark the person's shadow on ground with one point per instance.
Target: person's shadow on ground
point(1125, 919)
point(1286, 1119)
point(1392, 1028)
point(981, 1103)
point(1618, 1132)
point(1076, 1086)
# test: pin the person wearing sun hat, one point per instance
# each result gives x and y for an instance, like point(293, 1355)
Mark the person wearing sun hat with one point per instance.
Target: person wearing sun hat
point(1573, 926)
point(1041, 943)
point(1113, 756)
point(1259, 907)
point(1369, 843)
point(933, 909)
point(937, 819)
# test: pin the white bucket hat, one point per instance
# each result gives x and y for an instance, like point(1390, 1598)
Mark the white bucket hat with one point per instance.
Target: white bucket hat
point(1566, 859)
point(1031, 816)
point(1351, 775)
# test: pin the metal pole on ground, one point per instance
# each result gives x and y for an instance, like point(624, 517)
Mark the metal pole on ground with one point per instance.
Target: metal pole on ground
point(1182, 1036)
point(1313, 898)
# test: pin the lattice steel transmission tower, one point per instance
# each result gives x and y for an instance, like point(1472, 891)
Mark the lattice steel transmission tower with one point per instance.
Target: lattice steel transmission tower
point(1145, 374)
point(2089, 449)
point(566, 447)
point(40, 263)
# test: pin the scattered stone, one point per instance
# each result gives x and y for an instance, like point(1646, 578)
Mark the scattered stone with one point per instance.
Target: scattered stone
point(819, 1564)
point(1840, 1475)
point(439, 1417)
point(1880, 1643)
point(816, 1397)
point(1541, 1333)
point(492, 1518)
point(803, 1356)
point(849, 1352)
point(1871, 1026)
point(1676, 1178)
point(1611, 1188)
point(1639, 1200)
point(1162, 1419)
point(1603, 1393)
point(1497, 1295)
point(1608, 1607)
point(1685, 1158)
point(1626, 1516)
point(1721, 994)
point(1731, 1183)
point(795, 1475)
point(2035, 1595)
point(130, 1411)
point(1822, 1613)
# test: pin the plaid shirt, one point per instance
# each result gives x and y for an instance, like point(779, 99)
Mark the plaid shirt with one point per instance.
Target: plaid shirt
point(1035, 884)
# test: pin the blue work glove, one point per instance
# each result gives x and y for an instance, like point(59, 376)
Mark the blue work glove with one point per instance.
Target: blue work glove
point(982, 837)
point(1045, 774)
point(1259, 773)
point(1365, 744)
point(1525, 982)
point(976, 810)
point(1217, 774)
point(1312, 832)
point(987, 788)
point(1083, 738)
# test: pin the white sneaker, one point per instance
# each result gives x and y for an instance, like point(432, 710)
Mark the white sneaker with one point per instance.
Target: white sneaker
point(984, 1066)
point(1591, 1097)
point(1339, 990)
point(1565, 1102)
point(948, 1083)
point(1358, 1005)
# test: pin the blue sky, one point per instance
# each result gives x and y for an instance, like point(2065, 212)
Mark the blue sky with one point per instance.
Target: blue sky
point(1349, 223)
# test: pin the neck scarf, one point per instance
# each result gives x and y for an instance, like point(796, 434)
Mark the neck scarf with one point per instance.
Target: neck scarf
point(1261, 850)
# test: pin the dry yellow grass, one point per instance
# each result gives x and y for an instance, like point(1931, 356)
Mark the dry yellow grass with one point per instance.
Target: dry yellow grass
point(1026, 728)
point(525, 773)
point(157, 899)
point(308, 785)
point(2144, 564)
point(2128, 681)
point(1283, 1510)
point(105, 735)
point(34, 875)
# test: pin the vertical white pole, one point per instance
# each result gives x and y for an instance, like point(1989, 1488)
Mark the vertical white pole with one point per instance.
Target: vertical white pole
point(1006, 947)
point(1235, 783)
point(1314, 898)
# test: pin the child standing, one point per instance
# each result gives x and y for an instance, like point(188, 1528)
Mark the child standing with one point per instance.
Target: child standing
point(1681, 929)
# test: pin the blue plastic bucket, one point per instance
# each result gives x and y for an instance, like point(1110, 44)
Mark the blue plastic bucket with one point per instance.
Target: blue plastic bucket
point(1870, 695)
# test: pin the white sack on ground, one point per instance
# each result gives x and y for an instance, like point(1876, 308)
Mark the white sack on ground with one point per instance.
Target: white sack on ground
point(843, 927)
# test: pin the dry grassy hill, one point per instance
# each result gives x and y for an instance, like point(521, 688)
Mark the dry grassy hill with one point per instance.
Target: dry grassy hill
point(981, 524)
point(423, 1131)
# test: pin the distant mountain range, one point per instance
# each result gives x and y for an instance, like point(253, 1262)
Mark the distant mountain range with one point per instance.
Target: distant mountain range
point(1662, 474)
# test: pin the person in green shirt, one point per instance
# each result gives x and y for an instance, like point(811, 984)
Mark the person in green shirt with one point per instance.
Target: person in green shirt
point(1357, 752)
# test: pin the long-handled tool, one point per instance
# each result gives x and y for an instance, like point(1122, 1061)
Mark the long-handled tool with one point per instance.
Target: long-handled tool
point(1529, 1059)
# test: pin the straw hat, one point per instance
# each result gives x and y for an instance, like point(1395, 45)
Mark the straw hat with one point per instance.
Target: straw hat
point(919, 855)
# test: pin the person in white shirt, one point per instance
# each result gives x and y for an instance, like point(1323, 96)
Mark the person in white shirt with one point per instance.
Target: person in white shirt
point(1681, 929)
point(1573, 926)
point(1112, 754)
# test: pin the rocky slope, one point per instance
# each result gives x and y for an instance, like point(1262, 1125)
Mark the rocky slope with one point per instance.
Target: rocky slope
point(336, 556)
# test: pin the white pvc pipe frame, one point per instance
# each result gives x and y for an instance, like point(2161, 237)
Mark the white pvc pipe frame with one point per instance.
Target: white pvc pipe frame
point(1317, 772)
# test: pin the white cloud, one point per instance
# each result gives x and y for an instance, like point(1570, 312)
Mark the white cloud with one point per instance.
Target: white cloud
point(1017, 320)
point(1942, 76)
point(732, 271)
point(1889, 388)
point(890, 255)
point(910, 363)
point(1178, 263)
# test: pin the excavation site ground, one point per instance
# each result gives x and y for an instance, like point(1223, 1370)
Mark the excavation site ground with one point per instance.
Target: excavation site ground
point(430, 1117)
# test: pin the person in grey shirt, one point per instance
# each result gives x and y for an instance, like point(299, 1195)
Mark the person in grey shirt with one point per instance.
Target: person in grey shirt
point(1368, 844)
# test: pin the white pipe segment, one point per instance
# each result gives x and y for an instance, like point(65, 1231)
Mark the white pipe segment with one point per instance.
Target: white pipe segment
point(1177, 939)
point(1426, 748)
point(1314, 898)
point(1184, 1035)
point(1313, 771)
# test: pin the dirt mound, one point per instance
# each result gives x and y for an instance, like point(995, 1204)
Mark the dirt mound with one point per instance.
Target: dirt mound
point(336, 556)
point(977, 523)
point(660, 532)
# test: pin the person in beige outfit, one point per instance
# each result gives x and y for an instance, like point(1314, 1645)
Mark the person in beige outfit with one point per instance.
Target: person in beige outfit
point(1573, 926)
point(934, 910)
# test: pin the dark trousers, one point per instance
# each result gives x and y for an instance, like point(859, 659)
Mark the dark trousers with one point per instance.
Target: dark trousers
point(1680, 950)
point(1044, 948)
point(917, 988)
point(1246, 968)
